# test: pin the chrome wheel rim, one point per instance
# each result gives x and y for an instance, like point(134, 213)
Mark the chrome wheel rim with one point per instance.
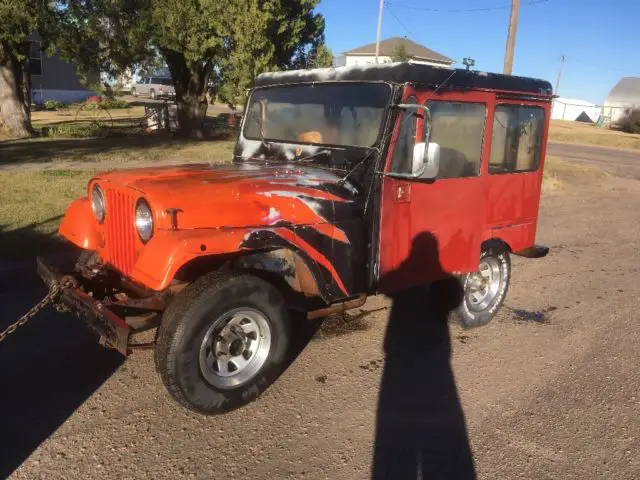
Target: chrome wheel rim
point(484, 285)
point(235, 347)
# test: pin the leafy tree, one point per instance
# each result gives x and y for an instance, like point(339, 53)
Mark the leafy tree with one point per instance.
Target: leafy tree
point(19, 19)
point(399, 54)
point(203, 42)
point(323, 56)
point(266, 35)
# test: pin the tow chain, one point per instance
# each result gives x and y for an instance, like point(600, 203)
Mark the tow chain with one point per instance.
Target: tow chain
point(49, 298)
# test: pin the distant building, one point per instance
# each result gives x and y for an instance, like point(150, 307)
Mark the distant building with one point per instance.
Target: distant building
point(53, 78)
point(416, 52)
point(575, 110)
point(624, 96)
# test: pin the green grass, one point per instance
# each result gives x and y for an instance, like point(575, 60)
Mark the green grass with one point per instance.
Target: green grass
point(31, 206)
point(33, 196)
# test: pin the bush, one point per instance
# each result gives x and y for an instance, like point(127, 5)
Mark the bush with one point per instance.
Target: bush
point(630, 123)
point(53, 105)
point(113, 103)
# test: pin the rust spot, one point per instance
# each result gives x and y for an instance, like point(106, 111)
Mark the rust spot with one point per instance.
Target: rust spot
point(304, 278)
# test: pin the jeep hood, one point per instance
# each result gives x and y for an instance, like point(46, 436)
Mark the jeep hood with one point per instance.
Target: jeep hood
point(238, 195)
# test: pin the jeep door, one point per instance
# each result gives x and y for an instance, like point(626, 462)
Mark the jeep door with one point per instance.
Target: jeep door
point(514, 177)
point(433, 228)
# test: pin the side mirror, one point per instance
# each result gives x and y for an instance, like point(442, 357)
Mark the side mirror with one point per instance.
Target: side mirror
point(426, 155)
point(426, 160)
point(432, 164)
point(419, 159)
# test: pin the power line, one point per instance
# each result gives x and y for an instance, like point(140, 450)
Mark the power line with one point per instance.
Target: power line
point(464, 10)
point(401, 24)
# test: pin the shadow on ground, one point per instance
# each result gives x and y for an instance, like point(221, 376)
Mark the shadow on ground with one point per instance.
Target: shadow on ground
point(25, 243)
point(420, 425)
point(48, 368)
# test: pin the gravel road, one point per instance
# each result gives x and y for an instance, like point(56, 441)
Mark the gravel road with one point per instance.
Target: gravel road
point(622, 162)
point(550, 389)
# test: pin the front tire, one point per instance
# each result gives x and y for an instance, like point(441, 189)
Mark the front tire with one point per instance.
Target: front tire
point(484, 291)
point(222, 342)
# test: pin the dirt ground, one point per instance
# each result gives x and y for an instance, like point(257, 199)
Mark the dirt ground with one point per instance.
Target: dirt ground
point(550, 389)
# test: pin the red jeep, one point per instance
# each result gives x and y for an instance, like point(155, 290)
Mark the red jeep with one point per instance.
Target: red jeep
point(344, 183)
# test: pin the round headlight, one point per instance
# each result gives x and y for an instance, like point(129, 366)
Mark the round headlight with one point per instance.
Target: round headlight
point(97, 203)
point(144, 220)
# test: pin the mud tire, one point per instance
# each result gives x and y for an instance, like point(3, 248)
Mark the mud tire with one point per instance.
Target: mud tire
point(185, 324)
point(466, 314)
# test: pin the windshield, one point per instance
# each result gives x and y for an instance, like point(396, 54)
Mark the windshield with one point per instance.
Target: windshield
point(347, 114)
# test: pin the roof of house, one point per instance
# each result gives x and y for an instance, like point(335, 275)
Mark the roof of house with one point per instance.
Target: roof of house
point(401, 73)
point(627, 90)
point(389, 46)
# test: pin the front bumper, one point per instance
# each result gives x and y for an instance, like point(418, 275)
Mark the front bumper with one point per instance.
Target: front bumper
point(114, 331)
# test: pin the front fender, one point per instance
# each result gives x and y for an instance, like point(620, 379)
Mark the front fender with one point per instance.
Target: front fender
point(79, 225)
point(169, 250)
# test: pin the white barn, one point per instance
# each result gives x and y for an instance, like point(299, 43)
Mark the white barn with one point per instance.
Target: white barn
point(575, 110)
point(418, 53)
point(624, 96)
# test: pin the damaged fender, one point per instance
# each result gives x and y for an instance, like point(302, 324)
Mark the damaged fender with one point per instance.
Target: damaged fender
point(177, 248)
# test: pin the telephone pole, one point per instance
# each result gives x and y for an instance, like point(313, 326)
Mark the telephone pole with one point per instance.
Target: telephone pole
point(559, 75)
point(379, 30)
point(511, 38)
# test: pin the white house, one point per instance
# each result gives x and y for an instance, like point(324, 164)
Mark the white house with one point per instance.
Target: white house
point(624, 96)
point(417, 53)
point(575, 110)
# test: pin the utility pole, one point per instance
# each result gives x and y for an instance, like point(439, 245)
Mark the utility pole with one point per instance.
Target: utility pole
point(559, 75)
point(511, 38)
point(379, 31)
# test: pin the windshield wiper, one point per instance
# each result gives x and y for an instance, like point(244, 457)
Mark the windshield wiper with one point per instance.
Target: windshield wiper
point(324, 151)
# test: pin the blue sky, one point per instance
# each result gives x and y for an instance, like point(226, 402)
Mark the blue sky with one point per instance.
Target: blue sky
point(600, 38)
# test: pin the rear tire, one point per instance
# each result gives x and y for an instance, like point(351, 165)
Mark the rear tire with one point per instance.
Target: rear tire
point(484, 291)
point(222, 342)
point(152, 94)
point(134, 92)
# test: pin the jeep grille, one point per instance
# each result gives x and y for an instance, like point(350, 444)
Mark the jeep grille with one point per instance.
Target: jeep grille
point(120, 230)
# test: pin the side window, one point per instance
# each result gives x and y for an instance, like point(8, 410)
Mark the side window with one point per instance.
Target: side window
point(517, 138)
point(403, 149)
point(458, 128)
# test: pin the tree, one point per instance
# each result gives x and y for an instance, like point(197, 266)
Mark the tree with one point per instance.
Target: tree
point(202, 41)
point(19, 19)
point(400, 54)
point(323, 56)
point(266, 35)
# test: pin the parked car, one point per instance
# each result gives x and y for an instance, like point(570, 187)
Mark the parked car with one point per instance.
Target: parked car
point(154, 87)
point(344, 184)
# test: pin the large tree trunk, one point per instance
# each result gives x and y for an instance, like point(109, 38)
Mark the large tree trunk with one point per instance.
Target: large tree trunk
point(190, 82)
point(15, 92)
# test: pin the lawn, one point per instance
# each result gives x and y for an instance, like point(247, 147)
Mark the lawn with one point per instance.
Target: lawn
point(44, 175)
point(585, 133)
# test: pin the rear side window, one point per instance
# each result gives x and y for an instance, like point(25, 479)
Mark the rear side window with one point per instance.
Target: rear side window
point(458, 128)
point(516, 142)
